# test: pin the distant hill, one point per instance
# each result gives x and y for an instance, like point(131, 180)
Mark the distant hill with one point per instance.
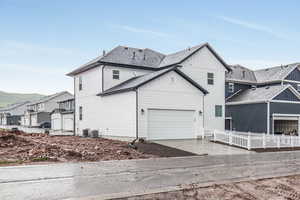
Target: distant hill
point(10, 98)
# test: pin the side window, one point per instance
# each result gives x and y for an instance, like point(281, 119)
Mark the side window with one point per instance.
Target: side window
point(210, 78)
point(80, 83)
point(116, 74)
point(218, 111)
point(80, 113)
point(231, 87)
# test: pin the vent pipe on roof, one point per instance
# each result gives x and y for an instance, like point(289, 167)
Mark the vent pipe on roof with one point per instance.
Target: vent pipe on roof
point(133, 57)
point(144, 56)
point(103, 53)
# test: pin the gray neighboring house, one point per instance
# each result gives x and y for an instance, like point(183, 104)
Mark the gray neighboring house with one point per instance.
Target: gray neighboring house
point(263, 101)
point(38, 113)
point(11, 114)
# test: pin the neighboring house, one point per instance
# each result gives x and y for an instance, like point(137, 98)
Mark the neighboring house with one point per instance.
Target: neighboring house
point(11, 115)
point(132, 92)
point(62, 118)
point(265, 100)
point(38, 112)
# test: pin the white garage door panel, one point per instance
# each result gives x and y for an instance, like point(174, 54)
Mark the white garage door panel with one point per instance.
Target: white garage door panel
point(170, 124)
point(68, 124)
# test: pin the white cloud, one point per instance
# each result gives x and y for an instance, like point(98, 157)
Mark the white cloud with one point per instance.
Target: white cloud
point(253, 26)
point(143, 31)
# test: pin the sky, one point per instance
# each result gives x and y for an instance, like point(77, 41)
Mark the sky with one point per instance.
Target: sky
point(41, 41)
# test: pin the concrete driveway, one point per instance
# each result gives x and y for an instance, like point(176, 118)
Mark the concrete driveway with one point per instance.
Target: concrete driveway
point(108, 179)
point(201, 147)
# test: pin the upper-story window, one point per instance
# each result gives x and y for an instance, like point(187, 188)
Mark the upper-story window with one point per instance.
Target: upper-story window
point(218, 111)
point(116, 74)
point(210, 78)
point(80, 83)
point(230, 87)
point(80, 113)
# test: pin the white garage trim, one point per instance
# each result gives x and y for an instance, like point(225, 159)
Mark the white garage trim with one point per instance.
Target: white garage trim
point(171, 124)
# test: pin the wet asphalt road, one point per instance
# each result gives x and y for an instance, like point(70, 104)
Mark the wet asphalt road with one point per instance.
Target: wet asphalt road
point(117, 178)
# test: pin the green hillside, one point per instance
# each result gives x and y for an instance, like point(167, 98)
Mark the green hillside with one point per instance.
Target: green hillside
point(10, 98)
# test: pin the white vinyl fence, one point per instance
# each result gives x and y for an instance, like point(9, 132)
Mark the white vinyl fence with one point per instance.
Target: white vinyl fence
point(256, 141)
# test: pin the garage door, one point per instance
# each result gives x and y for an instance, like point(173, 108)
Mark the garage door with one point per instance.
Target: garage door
point(170, 124)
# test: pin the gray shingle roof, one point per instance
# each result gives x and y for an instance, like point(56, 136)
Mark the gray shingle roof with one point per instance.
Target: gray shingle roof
point(260, 76)
point(138, 81)
point(258, 94)
point(237, 73)
point(177, 57)
point(143, 58)
point(48, 98)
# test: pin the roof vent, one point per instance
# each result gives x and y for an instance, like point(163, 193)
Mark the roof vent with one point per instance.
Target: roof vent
point(144, 56)
point(267, 87)
point(133, 57)
point(267, 69)
point(253, 87)
point(126, 48)
point(103, 53)
point(140, 50)
point(189, 48)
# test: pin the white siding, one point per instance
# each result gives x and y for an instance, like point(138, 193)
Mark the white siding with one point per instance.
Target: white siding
point(125, 74)
point(56, 121)
point(164, 93)
point(111, 115)
point(34, 119)
point(197, 67)
point(68, 122)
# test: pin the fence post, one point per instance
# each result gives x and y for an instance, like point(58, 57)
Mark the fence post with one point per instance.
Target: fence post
point(249, 142)
point(292, 141)
point(215, 138)
point(278, 142)
point(230, 138)
point(264, 141)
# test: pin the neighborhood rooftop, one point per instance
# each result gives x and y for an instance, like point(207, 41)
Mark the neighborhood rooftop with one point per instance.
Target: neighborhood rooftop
point(272, 74)
point(13, 106)
point(143, 58)
point(48, 98)
point(258, 94)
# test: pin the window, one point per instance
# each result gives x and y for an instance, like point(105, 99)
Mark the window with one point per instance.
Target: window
point(80, 113)
point(210, 78)
point(218, 111)
point(298, 87)
point(231, 87)
point(80, 83)
point(116, 74)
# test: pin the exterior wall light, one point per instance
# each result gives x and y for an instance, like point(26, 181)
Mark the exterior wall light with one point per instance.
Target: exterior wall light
point(200, 112)
point(142, 111)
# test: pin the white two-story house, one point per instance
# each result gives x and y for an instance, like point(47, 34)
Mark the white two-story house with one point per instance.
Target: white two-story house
point(141, 93)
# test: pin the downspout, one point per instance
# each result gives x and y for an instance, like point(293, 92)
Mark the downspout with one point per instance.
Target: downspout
point(74, 114)
point(132, 144)
point(268, 117)
point(103, 77)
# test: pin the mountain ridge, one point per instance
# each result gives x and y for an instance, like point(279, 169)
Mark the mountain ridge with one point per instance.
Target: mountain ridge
point(7, 98)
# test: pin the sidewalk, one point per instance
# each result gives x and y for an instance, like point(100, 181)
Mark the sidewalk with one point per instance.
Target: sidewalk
point(131, 177)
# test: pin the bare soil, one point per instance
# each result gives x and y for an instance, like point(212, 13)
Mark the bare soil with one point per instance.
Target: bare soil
point(282, 188)
point(19, 148)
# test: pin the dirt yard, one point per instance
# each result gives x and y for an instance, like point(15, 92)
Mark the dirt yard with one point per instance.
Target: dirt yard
point(283, 188)
point(19, 148)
